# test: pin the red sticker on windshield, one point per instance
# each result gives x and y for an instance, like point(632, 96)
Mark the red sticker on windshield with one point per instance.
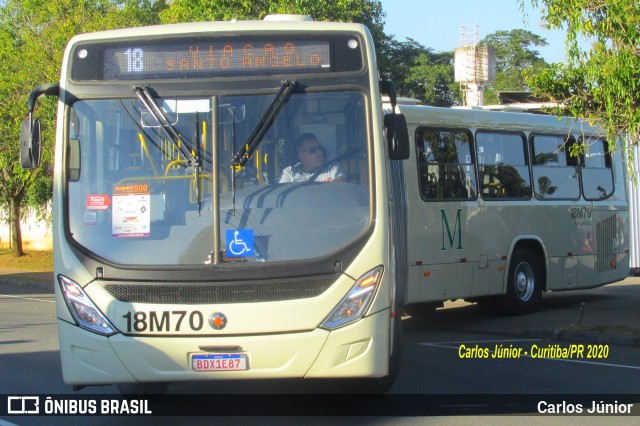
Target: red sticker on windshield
point(98, 201)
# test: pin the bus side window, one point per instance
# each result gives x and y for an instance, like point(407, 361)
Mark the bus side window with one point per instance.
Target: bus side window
point(445, 166)
point(555, 174)
point(503, 168)
point(597, 176)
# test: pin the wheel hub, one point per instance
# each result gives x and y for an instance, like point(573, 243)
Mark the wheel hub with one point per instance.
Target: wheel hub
point(524, 282)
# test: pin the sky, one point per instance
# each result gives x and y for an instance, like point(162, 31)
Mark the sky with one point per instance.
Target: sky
point(436, 24)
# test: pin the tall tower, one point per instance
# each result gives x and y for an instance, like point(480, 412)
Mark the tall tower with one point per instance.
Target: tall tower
point(475, 65)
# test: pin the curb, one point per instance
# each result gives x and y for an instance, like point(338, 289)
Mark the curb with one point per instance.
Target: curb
point(591, 337)
point(44, 285)
point(557, 335)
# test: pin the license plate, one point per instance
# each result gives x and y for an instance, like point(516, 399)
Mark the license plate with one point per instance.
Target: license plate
point(219, 362)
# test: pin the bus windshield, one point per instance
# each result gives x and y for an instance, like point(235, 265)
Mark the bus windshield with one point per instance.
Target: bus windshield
point(141, 196)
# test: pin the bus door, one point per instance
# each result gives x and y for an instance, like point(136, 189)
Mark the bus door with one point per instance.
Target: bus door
point(444, 221)
point(504, 186)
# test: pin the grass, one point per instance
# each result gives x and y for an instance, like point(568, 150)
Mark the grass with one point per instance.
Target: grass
point(32, 261)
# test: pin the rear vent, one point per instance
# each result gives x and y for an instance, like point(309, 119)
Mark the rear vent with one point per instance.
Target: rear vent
point(605, 244)
point(220, 292)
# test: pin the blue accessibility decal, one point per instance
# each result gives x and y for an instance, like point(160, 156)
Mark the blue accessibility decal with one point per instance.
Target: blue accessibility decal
point(240, 243)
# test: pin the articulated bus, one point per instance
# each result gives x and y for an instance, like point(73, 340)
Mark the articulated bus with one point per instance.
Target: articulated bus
point(183, 254)
point(502, 206)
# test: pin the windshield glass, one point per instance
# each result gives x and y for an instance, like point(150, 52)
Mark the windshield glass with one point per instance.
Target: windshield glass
point(139, 196)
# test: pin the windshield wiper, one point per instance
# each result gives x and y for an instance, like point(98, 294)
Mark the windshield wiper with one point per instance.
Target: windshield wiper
point(267, 119)
point(193, 160)
point(149, 102)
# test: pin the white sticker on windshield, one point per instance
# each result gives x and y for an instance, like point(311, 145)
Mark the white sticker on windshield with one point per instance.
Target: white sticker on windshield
point(131, 211)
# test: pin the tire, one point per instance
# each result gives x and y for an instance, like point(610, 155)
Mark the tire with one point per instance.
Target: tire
point(524, 285)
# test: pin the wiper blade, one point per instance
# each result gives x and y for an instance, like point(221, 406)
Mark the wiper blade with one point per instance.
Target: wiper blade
point(252, 142)
point(149, 102)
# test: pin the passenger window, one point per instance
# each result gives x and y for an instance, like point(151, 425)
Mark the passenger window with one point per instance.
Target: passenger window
point(445, 165)
point(597, 177)
point(503, 170)
point(555, 171)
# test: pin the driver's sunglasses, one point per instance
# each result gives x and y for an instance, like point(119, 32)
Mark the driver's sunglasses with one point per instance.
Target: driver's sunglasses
point(312, 150)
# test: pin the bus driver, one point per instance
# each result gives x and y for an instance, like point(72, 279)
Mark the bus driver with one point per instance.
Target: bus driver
point(312, 165)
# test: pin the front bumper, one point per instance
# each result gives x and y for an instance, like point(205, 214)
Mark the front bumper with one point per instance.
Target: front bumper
point(358, 350)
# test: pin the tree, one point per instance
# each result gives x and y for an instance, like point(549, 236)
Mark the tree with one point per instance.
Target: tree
point(514, 54)
point(33, 35)
point(368, 12)
point(419, 72)
point(599, 84)
point(14, 79)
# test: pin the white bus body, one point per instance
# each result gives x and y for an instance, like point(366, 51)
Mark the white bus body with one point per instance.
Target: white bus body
point(483, 186)
point(179, 255)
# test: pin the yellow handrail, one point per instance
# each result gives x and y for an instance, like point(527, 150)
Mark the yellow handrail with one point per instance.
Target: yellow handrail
point(171, 164)
point(146, 153)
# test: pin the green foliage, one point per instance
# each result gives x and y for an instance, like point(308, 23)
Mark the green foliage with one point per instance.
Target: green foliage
point(418, 72)
point(368, 12)
point(515, 55)
point(514, 49)
point(33, 36)
point(599, 84)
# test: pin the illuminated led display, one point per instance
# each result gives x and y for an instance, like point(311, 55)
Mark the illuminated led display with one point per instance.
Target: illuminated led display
point(204, 59)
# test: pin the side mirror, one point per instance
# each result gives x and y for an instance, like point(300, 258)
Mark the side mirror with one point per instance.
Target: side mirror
point(30, 139)
point(30, 143)
point(397, 135)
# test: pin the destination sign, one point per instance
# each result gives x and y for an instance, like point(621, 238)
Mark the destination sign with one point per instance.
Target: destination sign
point(207, 59)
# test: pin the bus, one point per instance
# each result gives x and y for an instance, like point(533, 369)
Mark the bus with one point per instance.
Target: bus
point(178, 254)
point(503, 206)
point(233, 200)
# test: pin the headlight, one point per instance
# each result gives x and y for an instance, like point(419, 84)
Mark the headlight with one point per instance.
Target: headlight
point(356, 302)
point(83, 310)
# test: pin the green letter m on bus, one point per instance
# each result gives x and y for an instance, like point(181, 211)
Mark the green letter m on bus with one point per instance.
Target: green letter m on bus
point(457, 230)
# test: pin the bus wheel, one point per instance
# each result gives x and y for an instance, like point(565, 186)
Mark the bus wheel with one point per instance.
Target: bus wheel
point(143, 388)
point(524, 285)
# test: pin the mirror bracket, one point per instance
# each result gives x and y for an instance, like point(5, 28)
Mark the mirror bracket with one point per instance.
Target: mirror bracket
point(30, 138)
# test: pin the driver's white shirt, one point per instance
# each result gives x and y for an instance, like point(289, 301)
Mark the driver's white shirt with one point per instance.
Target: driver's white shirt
point(296, 173)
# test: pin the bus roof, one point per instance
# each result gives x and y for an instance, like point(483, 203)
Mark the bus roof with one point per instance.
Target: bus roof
point(269, 25)
point(508, 121)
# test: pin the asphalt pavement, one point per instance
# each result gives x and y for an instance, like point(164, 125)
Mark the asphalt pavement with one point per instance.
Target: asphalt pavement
point(606, 315)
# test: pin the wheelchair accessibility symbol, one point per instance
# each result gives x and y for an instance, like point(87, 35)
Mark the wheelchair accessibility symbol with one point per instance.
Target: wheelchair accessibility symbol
point(240, 243)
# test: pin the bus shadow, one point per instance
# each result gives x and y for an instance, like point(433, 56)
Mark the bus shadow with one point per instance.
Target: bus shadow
point(612, 307)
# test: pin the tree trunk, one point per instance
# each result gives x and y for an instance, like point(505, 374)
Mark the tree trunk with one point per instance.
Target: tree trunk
point(16, 233)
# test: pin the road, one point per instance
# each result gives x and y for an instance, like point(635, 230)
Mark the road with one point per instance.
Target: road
point(435, 362)
point(438, 359)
